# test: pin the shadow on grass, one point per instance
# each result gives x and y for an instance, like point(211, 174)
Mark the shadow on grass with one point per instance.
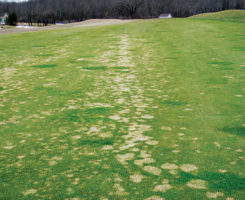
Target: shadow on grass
point(98, 110)
point(45, 66)
point(173, 103)
point(44, 55)
point(120, 67)
point(235, 130)
point(227, 181)
point(221, 63)
point(239, 49)
point(95, 68)
point(218, 181)
point(96, 142)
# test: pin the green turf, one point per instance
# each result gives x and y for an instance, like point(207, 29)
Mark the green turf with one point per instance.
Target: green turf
point(227, 15)
point(44, 66)
point(146, 110)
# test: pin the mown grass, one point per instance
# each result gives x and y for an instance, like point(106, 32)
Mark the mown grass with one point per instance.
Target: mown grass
point(227, 15)
point(173, 89)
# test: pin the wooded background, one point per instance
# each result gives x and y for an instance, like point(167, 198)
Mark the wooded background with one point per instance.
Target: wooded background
point(53, 11)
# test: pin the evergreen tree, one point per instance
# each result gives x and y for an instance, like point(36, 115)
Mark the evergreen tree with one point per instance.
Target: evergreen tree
point(12, 19)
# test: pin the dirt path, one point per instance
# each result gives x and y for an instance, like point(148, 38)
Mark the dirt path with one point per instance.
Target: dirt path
point(91, 22)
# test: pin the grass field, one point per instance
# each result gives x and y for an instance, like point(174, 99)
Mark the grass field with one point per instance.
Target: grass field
point(146, 110)
point(227, 15)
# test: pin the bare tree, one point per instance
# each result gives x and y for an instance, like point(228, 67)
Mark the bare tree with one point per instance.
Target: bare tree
point(129, 7)
point(52, 11)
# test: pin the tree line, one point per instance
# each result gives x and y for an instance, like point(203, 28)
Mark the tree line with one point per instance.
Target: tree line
point(53, 11)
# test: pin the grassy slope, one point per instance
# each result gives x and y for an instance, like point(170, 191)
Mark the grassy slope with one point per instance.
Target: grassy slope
point(227, 15)
point(187, 74)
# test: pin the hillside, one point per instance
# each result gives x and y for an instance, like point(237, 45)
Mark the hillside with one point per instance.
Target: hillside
point(228, 15)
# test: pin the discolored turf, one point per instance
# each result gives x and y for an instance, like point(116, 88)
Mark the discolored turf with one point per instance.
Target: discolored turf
point(145, 110)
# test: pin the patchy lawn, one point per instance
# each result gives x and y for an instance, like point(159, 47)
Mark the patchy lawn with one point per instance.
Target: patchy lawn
point(146, 110)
